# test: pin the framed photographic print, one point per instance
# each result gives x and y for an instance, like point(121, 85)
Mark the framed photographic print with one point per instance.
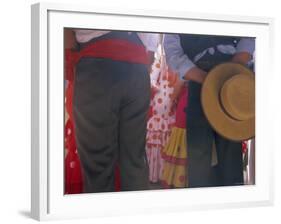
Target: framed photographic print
point(148, 111)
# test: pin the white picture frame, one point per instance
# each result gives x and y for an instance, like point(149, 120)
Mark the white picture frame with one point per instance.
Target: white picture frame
point(47, 188)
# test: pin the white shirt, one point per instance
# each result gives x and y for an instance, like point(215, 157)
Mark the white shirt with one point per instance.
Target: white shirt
point(150, 40)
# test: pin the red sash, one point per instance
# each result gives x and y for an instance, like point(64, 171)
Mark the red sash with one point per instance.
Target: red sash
point(115, 49)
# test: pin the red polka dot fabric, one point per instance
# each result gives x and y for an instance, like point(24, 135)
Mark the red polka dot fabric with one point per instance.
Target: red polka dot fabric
point(163, 116)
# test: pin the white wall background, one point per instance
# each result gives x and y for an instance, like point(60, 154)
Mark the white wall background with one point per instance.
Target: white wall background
point(15, 111)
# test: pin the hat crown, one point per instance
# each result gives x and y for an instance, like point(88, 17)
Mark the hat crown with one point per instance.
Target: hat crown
point(228, 101)
point(237, 97)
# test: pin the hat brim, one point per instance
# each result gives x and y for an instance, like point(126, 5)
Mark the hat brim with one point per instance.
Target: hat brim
point(220, 121)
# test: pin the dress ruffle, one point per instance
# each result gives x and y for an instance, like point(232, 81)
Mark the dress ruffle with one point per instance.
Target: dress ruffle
point(174, 156)
point(158, 133)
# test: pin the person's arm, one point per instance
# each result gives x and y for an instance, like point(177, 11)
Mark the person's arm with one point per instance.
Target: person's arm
point(179, 62)
point(177, 89)
point(69, 39)
point(244, 51)
point(150, 41)
point(69, 45)
point(196, 74)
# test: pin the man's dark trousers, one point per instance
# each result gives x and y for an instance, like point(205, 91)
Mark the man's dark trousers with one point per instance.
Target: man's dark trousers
point(111, 100)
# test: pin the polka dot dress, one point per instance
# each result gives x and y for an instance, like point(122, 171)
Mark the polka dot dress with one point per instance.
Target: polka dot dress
point(162, 117)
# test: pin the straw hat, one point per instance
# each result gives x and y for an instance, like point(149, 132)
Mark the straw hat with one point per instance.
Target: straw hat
point(228, 101)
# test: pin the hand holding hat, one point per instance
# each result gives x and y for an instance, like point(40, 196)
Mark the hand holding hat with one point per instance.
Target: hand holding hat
point(228, 101)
